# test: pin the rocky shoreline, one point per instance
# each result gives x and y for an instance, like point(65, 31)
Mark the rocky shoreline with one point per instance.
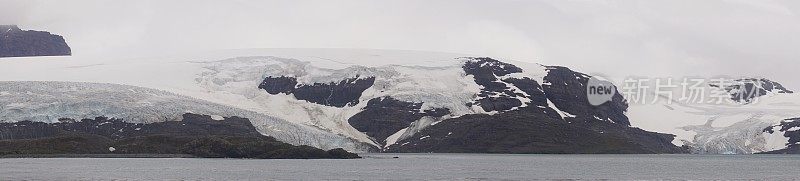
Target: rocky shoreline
point(195, 136)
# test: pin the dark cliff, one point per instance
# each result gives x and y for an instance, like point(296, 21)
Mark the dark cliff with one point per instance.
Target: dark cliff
point(15, 42)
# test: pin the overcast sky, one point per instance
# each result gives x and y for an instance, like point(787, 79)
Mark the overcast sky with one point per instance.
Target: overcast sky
point(616, 38)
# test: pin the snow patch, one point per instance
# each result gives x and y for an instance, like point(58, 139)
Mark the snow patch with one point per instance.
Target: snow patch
point(568, 114)
point(560, 113)
point(217, 117)
point(391, 140)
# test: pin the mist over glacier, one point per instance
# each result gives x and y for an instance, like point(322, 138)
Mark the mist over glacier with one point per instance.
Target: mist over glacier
point(617, 39)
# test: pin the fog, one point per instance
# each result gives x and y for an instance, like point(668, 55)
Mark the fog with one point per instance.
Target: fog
point(615, 38)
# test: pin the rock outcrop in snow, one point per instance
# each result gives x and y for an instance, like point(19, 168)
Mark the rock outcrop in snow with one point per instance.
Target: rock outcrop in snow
point(15, 42)
point(746, 90)
point(405, 101)
point(338, 94)
point(790, 129)
point(385, 116)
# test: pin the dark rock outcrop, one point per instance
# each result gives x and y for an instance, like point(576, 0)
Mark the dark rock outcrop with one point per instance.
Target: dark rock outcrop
point(276, 85)
point(495, 95)
point(520, 131)
point(337, 94)
point(745, 90)
point(196, 135)
point(564, 87)
point(567, 90)
point(385, 116)
point(15, 42)
point(498, 93)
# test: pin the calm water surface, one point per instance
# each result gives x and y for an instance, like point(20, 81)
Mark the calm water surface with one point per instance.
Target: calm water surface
point(411, 167)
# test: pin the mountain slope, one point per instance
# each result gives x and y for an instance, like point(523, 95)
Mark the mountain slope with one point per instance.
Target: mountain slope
point(53, 102)
point(196, 135)
point(519, 131)
point(378, 97)
point(503, 87)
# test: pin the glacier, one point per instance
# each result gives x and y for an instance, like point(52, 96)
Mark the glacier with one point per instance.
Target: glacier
point(727, 127)
point(49, 101)
point(225, 83)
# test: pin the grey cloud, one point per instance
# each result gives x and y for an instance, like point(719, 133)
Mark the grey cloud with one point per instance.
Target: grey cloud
point(617, 38)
